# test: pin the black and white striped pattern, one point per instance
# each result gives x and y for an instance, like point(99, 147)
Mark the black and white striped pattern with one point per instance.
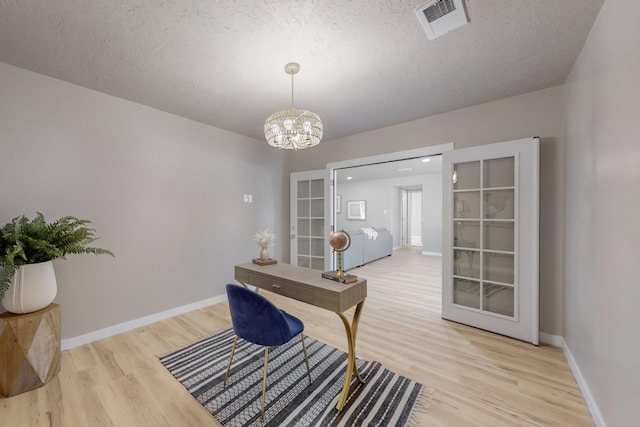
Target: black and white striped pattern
point(386, 399)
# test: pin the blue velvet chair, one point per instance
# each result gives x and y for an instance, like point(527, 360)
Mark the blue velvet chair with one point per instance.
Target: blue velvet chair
point(257, 320)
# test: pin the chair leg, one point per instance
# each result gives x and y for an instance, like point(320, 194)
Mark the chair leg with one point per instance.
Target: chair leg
point(233, 348)
point(306, 359)
point(264, 380)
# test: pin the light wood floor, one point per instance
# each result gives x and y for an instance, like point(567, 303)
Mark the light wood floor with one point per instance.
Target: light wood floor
point(477, 378)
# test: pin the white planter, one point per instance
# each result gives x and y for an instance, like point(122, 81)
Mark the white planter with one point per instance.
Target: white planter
point(33, 288)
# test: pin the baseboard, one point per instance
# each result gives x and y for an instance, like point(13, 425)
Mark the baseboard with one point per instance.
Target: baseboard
point(554, 340)
point(136, 323)
point(584, 387)
point(428, 253)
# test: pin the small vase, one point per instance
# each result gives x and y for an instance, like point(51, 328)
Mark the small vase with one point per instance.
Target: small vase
point(264, 254)
point(33, 287)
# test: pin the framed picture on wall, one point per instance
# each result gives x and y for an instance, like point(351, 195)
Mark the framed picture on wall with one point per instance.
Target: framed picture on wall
point(357, 209)
point(338, 204)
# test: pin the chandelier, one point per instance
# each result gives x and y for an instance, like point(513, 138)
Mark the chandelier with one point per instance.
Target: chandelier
point(293, 129)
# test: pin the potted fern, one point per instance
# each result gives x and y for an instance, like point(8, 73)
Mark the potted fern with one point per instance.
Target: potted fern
point(27, 247)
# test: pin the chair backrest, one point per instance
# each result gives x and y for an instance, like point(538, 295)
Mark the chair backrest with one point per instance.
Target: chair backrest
point(255, 318)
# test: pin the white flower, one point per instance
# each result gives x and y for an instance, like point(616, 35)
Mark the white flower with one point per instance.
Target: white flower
point(265, 238)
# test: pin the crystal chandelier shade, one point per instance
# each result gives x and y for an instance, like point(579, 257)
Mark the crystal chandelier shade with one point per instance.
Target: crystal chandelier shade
point(293, 129)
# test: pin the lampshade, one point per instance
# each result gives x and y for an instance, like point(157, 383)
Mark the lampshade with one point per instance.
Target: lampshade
point(293, 129)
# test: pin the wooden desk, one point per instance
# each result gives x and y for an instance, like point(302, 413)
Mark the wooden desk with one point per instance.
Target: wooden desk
point(307, 285)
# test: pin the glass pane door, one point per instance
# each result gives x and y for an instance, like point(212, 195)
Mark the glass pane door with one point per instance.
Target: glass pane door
point(490, 275)
point(308, 219)
point(483, 233)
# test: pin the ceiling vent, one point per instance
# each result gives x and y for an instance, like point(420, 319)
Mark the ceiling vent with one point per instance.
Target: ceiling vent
point(438, 17)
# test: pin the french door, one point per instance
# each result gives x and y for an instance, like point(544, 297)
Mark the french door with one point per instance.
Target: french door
point(490, 253)
point(308, 224)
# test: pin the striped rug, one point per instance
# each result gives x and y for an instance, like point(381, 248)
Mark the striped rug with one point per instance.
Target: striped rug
point(387, 399)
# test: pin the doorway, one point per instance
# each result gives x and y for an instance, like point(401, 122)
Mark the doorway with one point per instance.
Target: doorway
point(411, 217)
point(491, 228)
point(396, 167)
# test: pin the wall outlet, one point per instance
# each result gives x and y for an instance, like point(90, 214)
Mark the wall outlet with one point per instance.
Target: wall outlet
point(248, 198)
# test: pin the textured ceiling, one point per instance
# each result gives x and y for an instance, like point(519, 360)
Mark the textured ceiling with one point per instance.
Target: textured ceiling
point(365, 64)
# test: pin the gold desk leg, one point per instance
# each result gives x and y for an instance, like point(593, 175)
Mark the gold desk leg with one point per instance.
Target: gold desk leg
point(352, 332)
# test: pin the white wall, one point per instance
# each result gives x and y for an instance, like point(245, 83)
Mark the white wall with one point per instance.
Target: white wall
point(378, 197)
point(539, 113)
point(383, 197)
point(432, 214)
point(602, 212)
point(163, 192)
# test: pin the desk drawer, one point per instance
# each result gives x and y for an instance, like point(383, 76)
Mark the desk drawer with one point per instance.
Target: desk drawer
point(282, 287)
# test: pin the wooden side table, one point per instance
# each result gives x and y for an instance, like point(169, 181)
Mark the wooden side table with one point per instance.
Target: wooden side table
point(29, 349)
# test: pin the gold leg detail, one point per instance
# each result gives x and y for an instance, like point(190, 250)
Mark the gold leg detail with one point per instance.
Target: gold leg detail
point(354, 327)
point(264, 380)
point(233, 348)
point(352, 332)
point(306, 359)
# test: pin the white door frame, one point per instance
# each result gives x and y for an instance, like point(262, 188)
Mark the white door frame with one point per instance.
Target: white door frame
point(430, 150)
